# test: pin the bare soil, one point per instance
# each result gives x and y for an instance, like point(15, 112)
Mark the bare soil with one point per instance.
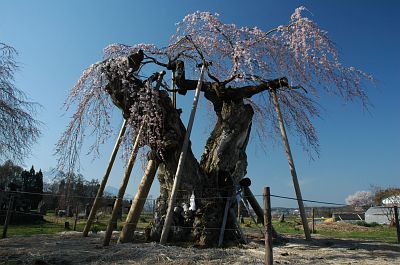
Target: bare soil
point(70, 248)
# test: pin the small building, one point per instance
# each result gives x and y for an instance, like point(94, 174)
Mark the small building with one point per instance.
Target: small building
point(379, 214)
point(392, 200)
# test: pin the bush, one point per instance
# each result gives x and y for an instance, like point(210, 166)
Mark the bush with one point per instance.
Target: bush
point(363, 223)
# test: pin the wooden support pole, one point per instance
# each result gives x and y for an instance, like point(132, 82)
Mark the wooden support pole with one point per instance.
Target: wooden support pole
point(291, 165)
point(249, 196)
point(76, 216)
point(269, 260)
point(237, 224)
point(121, 192)
point(8, 215)
point(222, 231)
point(396, 219)
point(136, 208)
point(173, 90)
point(103, 184)
point(181, 162)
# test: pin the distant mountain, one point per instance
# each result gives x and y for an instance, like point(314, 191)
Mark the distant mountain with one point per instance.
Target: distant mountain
point(114, 192)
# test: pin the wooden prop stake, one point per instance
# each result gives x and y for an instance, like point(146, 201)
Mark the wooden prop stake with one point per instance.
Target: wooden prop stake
point(121, 192)
point(8, 215)
point(291, 165)
point(179, 170)
point(100, 191)
point(136, 209)
point(269, 260)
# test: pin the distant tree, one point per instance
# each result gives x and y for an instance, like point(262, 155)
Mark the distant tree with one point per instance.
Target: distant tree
point(18, 127)
point(9, 172)
point(32, 184)
point(360, 198)
point(72, 189)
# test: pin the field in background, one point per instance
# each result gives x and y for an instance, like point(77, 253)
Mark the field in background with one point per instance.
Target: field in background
point(291, 226)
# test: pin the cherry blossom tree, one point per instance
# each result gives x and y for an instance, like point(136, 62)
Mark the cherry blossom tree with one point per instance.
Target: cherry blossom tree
point(360, 198)
point(18, 127)
point(243, 64)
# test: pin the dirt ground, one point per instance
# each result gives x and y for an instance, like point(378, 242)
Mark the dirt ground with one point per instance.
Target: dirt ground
point(71, 248)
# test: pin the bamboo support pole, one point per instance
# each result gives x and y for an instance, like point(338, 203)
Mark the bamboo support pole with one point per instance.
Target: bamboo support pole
point(136, 208)
point(124, 183)
point(291, 165)
point(8, 215)
point(100, 191)
point(268, 227)
point(179, 170)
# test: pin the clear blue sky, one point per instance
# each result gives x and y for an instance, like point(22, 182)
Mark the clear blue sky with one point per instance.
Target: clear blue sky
point(57, 40)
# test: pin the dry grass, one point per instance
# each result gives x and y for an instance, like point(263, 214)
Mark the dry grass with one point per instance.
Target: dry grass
point(70, 248)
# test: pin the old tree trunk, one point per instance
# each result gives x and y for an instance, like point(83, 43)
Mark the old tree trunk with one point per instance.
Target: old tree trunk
point(223, 164)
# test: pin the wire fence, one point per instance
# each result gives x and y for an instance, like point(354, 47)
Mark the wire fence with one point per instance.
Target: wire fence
point(48, 213)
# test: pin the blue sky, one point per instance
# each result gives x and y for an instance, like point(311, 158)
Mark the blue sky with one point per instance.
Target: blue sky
point(57, 40)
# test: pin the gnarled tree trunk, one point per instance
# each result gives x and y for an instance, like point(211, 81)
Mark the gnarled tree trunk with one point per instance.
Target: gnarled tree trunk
point(223, 164)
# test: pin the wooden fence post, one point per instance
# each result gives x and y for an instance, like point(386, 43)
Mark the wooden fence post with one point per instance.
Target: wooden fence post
point(396, 219)
point(76, 217)
point(100, 191)
point(269, 260)
point(313, 221)
point(8, 215)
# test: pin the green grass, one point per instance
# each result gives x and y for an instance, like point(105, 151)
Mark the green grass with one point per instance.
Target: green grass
point(382, 233)
point(54, 224)
point(291, 225)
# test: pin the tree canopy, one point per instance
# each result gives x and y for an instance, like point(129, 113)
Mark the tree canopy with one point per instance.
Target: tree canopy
point(18, 127)
point(241, 62)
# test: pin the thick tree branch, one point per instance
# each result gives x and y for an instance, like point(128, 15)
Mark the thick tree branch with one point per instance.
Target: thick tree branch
point(217, 91)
